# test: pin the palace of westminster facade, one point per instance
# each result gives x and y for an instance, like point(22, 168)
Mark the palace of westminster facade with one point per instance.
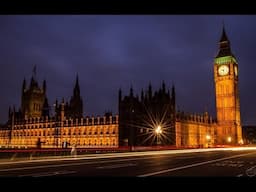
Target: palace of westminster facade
point(145, 120)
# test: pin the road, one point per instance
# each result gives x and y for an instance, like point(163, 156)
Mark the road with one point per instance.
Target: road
point(233, 162)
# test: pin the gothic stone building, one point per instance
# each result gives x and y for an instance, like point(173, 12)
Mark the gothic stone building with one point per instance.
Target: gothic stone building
point(150, 119)
point(139, 118)
point(32, 125)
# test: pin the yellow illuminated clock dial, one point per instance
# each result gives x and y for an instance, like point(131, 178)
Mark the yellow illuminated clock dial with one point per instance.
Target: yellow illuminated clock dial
point(223, 70)
point(235, 70)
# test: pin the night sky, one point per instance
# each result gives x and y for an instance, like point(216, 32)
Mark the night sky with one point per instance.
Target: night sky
point(116, 51)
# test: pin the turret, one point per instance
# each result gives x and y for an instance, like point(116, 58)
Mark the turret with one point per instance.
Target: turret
point(131, 92)
point(142, 95)
point(44, 86)
point(120, 95)
point(163, 87)
point(150, 91)
point(77, 88)
point(45, 107)
point(173, 95)
point(9, 112)
point(62, 109)
point(76, 103)
point(24, 85)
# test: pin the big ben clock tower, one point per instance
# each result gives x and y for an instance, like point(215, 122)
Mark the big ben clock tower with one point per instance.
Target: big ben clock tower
point(229, 129)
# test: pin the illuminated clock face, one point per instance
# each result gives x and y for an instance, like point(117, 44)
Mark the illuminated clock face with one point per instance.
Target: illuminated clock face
point(235, 70)
point(223, 70)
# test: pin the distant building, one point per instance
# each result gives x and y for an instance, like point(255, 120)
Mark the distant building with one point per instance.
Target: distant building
point(249, 134)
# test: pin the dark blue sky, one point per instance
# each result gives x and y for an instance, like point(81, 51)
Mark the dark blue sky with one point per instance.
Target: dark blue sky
point(113, 51)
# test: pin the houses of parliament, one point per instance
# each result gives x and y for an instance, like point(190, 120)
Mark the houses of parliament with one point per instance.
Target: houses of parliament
point(145, 119)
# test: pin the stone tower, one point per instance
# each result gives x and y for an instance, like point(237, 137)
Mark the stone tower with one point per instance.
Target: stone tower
point(227, 94)
point(33, 100)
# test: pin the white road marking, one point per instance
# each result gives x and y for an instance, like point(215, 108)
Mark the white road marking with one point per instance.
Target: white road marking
point(73, 164)
point(117, 166)
point(230, 164)
point(192, 165)
point(251, 172)
point(45, 174)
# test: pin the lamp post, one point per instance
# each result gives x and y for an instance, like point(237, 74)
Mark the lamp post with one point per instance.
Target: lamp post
point(208, 138)
point(158, 131)
point(229, 139)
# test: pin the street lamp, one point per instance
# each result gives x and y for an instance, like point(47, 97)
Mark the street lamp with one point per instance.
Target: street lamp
point(158, 131)
point(208, 138)
point(229, 139)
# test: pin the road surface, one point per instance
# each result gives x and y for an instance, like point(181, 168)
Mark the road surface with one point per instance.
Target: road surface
point(233, 162)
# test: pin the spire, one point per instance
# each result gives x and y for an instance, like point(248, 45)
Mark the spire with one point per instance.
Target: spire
point(173, 93)
point(150, 90)
point(44, 86)
point(76, 103)
point(10, 111)
point(120, 95)
point(77, 84)
point(46, 107)
point(131, 91)
point(142, 95)
point(77, 88)
point(34, 71)
point(224, 35)
point(24, 85)
point(224, 45)
point(56, 103)
point(163, 86)
point(33, 82)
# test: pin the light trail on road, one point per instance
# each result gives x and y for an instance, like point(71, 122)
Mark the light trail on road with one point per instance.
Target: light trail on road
point(128, 154)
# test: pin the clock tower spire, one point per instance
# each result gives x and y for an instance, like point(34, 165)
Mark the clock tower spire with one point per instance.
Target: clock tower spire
point(227, 94)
